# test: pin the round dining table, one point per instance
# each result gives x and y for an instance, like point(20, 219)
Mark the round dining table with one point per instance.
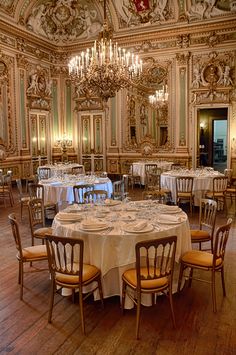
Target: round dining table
point(139, 167)
point(202, 182)
point(111, 229)
point(61, 189)
point(59, 169)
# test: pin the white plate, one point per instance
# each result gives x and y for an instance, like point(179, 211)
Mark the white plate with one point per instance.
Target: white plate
point(72, 219)
point(147, 229)
point(170, 211)
point(163, 221)
point(94, 229)
point(112, 203)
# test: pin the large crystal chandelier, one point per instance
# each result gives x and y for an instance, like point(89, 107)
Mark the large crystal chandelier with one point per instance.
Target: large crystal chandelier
point(160, 97)
point(105, 68)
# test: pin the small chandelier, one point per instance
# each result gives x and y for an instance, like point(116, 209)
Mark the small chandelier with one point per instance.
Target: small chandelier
point(160, 97)
point(105, 68)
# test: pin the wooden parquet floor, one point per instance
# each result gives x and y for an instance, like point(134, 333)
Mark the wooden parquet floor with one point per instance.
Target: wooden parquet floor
point(24, 328)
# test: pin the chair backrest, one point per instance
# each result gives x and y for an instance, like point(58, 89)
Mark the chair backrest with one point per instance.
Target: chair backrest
point(79, 190)
point(36, 191)
point(153, 181)
point(176, 166)
point(154, 195)
point(65, 255)
point(125, 179)
point(207, 214)
point(77, 169)
point(36, 213)
point(221, 238)
point(95, 195)
point(150, 168)
point(220, 184)
point(44, 173)
point(15, 233)
point(184, 184)
point(118, 189)
point(157, 256)
point(229, 173)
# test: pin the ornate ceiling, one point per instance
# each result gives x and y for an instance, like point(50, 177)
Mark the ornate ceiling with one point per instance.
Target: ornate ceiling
point(68, 21)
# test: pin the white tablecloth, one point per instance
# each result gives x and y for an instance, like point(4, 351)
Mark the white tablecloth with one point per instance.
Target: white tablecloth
point(58, 170)
point(203, 181)
point(56, 190)
point(139, 168)
point(113, 250)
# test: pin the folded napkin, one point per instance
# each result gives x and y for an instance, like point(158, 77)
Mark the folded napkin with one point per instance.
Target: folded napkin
point(168, 208)
point(170, 218)
point(139, 226)
point(93, 224)
point(69, 215)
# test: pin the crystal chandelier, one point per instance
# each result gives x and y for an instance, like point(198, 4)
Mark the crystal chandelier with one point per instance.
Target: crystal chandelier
point(160, 97)
point(105, 68)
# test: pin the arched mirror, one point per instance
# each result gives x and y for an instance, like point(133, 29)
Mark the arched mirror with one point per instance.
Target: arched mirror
point(148, 107)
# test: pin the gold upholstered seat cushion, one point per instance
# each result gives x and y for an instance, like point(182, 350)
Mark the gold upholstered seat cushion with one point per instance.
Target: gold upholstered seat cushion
point(199, 234)
point(34, 252)
point(200, 258)
point(130, 277)
point(89, 272)
point(41, 232)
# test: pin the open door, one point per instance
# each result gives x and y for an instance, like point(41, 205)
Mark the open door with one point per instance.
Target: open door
point(212, 138)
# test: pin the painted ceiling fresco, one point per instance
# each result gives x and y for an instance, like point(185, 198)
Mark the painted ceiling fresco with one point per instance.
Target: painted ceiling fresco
point(63, 21)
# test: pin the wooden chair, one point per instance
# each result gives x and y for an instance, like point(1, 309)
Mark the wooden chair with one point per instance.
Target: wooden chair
point(118, 190)
point(23, 197)
point(184, 190)
point(134, 178)
point(219, 191)
point(44, 173)
point(6, 189)
point(153, 273)
point(160, 196)
point(37, 220)
point(77, 169)
point(95, 195)
point(212, 262)
point(27, 254)
point(65, 258)
point(79, 190)
point(37, 191)
point(207, 217)
point(231, 187)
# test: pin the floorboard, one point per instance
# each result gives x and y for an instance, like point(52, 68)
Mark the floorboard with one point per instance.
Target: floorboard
point(24, 328)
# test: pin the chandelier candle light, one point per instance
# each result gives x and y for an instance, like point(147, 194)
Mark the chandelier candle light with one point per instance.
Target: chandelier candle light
point(160, 97)
point(105, 68)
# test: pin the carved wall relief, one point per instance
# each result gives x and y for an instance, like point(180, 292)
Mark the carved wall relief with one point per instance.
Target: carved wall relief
point(8, 135)
point(39, 89)
point(212, 78)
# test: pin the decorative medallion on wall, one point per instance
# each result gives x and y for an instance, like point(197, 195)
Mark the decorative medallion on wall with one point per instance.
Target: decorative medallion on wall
point(213, 77)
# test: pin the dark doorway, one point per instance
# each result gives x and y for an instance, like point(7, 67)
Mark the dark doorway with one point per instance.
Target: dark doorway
point(212, 138)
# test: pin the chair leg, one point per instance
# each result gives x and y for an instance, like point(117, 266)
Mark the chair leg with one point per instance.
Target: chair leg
point(21, 279)
point(213, 290)
point(123, 296)
point(223, 281)
point(81, 310)
point(180, 276)
point(100, 290)
point(138, 314)
point(190, 277)
point(172, 308)
point(52, 292)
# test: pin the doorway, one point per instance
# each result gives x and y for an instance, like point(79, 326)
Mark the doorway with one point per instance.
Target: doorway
point(212, 138)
